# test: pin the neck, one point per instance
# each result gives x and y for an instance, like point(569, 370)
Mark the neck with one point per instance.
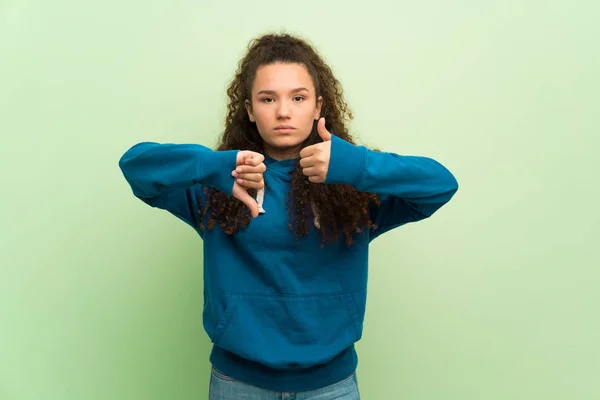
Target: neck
point(283, 154)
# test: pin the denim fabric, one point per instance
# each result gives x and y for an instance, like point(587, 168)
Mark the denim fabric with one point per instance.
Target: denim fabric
point(223, 387)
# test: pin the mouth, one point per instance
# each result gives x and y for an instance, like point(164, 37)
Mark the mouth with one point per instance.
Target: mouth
point(284, 129)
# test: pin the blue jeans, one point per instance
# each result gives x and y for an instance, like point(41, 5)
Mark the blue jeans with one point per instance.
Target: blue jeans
point(223, 387)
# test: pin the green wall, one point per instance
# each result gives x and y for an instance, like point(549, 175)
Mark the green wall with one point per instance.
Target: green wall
point(494, 298)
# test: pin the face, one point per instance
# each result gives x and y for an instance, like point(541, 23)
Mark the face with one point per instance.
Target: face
point(284, 107)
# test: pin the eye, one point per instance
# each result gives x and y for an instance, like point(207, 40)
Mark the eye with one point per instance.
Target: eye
point(298, 98)
point(266, 100)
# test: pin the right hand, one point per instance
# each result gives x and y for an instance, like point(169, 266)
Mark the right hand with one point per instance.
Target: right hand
point(248, 175)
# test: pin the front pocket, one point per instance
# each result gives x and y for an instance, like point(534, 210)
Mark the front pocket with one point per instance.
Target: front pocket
point(218, 374)
point(288, 331)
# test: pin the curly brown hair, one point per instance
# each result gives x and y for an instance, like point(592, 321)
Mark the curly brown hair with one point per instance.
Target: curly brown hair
point(339, 207)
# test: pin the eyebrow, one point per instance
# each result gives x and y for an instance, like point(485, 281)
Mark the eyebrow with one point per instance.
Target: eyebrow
point(273, 92)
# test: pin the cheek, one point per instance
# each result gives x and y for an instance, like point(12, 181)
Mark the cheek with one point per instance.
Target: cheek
point(308, 117)
point(260, 119)
point(263, 115)
point(263, 121)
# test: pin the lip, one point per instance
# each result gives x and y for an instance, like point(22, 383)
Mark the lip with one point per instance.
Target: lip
point(284, 128)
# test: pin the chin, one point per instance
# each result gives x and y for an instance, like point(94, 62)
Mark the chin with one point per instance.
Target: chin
point(285, 142)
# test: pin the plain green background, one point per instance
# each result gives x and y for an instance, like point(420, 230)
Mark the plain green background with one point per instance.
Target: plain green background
point(494, 298)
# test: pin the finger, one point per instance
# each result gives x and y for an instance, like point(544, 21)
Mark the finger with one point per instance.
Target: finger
point(255, 159)
point(324, 133)
point(311, 171)
point(307, 151)
point(241, 157)
point(243, 169)
point(251, 184)
point(248, 177)
point(247, 157)
point(307, 162)
point(251, 177)
point(250, 203)
point(316, 179)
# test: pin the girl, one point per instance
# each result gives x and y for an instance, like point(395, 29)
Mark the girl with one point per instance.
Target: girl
point(286, 207)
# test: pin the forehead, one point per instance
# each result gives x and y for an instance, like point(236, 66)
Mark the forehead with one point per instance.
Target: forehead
point(282, 77)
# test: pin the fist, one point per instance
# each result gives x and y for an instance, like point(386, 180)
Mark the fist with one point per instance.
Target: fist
point(249, 170)
point(314, 159)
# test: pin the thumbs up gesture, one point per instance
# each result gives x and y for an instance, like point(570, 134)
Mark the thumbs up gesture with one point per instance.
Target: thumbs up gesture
point(314, 159)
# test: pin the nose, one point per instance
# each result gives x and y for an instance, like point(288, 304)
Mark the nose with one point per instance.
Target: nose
point(283, 110)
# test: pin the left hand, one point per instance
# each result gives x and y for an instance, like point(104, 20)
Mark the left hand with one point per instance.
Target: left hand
point(314, 159)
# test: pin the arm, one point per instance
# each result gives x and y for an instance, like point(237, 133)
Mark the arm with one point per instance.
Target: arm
point(411, 188)
point(171, 176)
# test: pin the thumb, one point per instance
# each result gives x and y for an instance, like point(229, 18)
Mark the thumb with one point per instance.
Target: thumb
point(245, 198)
point(324, 133)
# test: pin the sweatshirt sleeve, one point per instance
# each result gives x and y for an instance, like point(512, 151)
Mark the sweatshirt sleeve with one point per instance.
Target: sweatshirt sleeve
point(171, 176)
point(411, 188)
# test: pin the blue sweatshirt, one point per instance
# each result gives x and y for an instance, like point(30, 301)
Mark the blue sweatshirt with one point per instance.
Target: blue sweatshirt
point(284, 315)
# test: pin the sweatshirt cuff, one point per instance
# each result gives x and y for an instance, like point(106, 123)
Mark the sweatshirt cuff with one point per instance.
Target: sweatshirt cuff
point(216, 169)
point(346, 162)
